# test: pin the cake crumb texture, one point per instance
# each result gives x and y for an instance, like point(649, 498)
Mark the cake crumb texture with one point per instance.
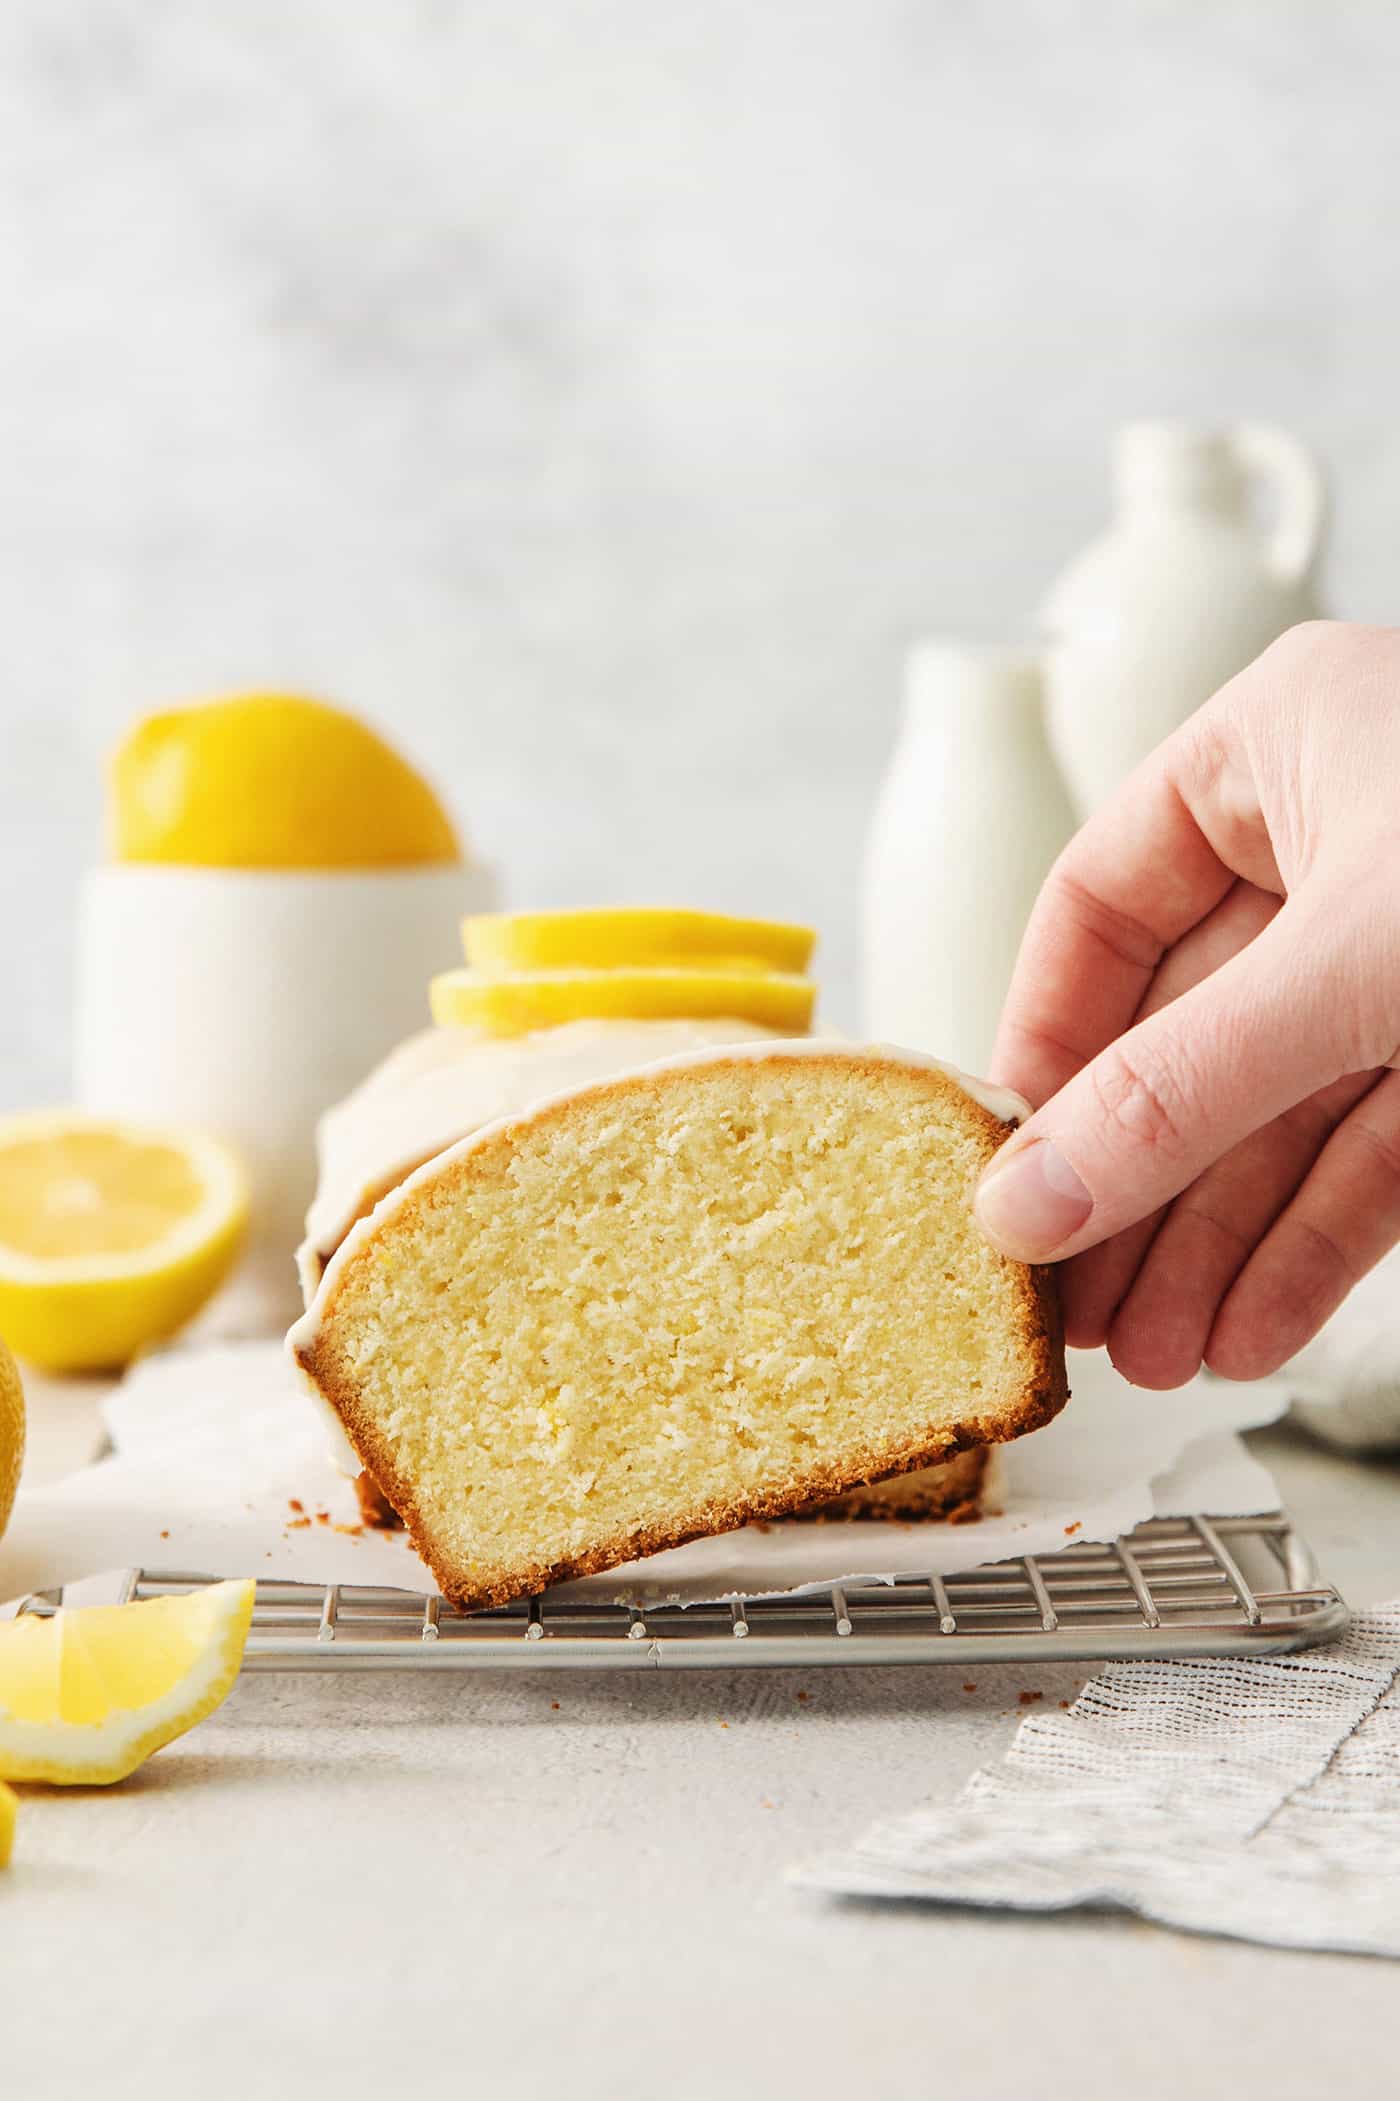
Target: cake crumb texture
point(676, 1302)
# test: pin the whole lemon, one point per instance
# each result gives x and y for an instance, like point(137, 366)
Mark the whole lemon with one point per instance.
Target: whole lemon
point(11, 1433)
point(270, 780)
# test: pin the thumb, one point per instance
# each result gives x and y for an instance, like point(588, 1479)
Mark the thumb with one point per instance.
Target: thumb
point(1171, 1096)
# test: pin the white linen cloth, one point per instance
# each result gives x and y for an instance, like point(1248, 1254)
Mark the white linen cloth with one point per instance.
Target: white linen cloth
point(1258, 1799)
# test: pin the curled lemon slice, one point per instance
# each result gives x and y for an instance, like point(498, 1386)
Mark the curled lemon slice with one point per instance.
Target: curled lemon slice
point(270, 780)
point(87, 1696)
point(512, 1005)
point(640, 937)
point(111, 1237)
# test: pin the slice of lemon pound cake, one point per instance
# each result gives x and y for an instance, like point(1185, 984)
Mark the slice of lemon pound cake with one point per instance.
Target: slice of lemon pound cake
point(715, 1289)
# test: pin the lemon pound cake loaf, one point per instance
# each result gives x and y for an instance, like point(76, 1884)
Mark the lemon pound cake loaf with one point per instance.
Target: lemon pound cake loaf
point(715, 1289)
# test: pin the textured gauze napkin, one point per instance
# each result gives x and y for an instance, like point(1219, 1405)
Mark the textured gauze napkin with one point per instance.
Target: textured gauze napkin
point(1258, 1799)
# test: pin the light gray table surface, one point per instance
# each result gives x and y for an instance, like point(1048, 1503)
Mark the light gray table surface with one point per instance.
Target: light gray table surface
point(514, 1886)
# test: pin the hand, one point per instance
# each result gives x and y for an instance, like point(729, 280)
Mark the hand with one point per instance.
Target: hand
point(1207, 1008)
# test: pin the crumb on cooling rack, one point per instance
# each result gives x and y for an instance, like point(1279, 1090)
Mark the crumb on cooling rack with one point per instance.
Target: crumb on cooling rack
point(1028, 1699)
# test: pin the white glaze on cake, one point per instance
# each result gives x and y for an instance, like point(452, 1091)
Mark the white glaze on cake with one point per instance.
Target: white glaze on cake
point(440, 1086)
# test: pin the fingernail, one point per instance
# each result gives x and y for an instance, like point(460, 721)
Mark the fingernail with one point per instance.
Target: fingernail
point(1030, 1206)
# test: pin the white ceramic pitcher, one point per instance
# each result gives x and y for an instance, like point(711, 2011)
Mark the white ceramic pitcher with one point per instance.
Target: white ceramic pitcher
point(1180, 594)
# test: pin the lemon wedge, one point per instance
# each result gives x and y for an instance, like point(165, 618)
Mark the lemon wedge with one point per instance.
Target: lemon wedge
point(11, 1433)
point(511, 1005)
point(644, 937)
point(111, 1236)
point(270, 780)
point(87, 1696)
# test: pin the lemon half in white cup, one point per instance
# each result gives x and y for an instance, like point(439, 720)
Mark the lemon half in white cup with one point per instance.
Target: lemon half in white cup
point(285, 886)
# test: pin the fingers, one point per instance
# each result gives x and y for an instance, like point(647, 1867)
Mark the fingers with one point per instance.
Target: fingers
point(1094, 1284)
point(1178, 1091)
point(1342, 1221)
point(1140, 874)
point(1157, 1336)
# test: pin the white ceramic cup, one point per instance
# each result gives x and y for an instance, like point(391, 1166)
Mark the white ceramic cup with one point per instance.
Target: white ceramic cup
point(244, 1002)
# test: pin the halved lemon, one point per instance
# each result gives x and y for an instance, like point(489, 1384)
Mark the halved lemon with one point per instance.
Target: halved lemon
point(87, 1696)
point(111, 1236)
point(11, 1433)
point(511, 1005)
point(270, 780)
point(641, 937)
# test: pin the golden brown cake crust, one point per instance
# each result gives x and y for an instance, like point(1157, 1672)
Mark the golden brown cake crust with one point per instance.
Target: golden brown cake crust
point(951, 1493)
point(375, 1508)
point(1037, 1316)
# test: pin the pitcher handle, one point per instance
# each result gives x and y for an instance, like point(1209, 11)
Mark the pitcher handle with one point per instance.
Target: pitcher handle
point(1290, 470)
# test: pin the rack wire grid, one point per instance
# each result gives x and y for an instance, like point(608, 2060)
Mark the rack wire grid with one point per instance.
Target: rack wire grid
point(1174, 1587)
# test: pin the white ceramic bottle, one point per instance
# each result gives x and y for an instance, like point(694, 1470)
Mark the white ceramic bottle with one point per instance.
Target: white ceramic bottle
point(971, 815)
point(1180, 594)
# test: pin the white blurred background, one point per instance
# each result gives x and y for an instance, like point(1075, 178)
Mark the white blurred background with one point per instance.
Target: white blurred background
point(601, 393)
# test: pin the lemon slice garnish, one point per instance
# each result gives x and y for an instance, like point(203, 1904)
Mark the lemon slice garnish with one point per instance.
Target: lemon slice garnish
point(640, 937)
point(514, 1004)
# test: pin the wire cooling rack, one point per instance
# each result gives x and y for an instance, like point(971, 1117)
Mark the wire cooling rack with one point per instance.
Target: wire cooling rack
point(1193, 1586)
